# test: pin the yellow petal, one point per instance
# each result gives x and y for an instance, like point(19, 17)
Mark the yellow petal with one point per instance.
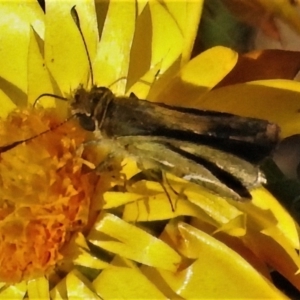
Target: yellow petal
point(131, 242)
point(78, 287)
point(74, 286)
point(39, 81)
point(234, 243)
point(278, 254)
point(59, 292)
point(38, 288)
point(283, 220)
point(113, 54)
point(15, 25)
point(218, 273)
point(167, 43)
point(200, 75)
point(144, 84)
point(77, 252)
point(187, 16)
point(125, 283)
point(67, 60)
point(115, 199)
point(87, 260)
point(216, 207)
point(16, 291)
point(158, 207)
point(165, 48)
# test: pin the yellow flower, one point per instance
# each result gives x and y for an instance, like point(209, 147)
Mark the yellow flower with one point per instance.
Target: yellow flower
point(68, 231)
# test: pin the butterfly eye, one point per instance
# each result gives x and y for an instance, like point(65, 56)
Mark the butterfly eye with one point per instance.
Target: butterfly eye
point(77, 97)
point(86, 122)
point(95, 100)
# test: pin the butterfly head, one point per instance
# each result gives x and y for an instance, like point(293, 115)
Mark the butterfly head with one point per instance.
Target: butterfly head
point(90, 106)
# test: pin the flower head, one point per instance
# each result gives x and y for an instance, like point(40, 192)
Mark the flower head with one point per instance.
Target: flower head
point(75, 222)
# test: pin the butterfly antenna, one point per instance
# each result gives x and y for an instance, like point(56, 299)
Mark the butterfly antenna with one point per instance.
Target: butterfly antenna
point(16, 143)
point(75, 17)
point(48, 95)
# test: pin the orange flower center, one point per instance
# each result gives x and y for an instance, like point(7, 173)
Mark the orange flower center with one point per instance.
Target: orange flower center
point(45, 192)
